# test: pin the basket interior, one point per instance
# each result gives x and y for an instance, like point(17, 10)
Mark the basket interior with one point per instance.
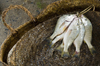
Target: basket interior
point(34, 47)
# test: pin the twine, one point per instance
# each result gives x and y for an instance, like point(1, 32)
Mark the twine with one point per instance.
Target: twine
point(13, 7)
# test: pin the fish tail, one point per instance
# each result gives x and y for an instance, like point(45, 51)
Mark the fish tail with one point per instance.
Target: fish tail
point(76, 54)
point(65, 54)
point(92, 50)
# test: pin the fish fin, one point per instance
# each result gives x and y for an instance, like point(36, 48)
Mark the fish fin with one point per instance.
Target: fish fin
point(84, 42)
point(65, 54)
point(60, 49)
point(49, 42)
point(76, 54)
point(92, 50)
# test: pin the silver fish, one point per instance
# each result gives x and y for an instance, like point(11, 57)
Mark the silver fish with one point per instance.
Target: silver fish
point(62, 24)
point(88, 34)
point(70, 36)
point(78, 41)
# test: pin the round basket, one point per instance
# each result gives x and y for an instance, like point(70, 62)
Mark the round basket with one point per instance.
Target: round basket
point(28, 45)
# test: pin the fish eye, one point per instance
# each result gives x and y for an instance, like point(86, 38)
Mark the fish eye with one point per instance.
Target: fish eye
point(85, 19)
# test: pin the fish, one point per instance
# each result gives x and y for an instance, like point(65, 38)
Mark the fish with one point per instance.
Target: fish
point(88, 34)
point(79, 40)
point(70, 36)
point(62, 24)
point(73, 28)
point(60, 37)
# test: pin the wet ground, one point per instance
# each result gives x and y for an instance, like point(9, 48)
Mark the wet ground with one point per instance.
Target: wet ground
point(17, 17)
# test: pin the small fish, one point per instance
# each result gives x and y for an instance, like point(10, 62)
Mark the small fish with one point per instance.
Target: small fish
point(88, 34)
point(73, 28)
point(70, 36)
point(60, 37)
point(78, 41)
point(62, 24)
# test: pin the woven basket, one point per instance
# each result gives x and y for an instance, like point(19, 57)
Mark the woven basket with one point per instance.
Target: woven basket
point(53, 11)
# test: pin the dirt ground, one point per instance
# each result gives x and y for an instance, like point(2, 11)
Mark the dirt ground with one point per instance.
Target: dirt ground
point(17, 17)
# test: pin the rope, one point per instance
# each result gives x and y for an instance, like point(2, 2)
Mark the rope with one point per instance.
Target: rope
point(86, 10)
point(13, 7)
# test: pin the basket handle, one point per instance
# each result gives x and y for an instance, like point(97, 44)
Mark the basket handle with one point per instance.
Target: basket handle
point(12, 7)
